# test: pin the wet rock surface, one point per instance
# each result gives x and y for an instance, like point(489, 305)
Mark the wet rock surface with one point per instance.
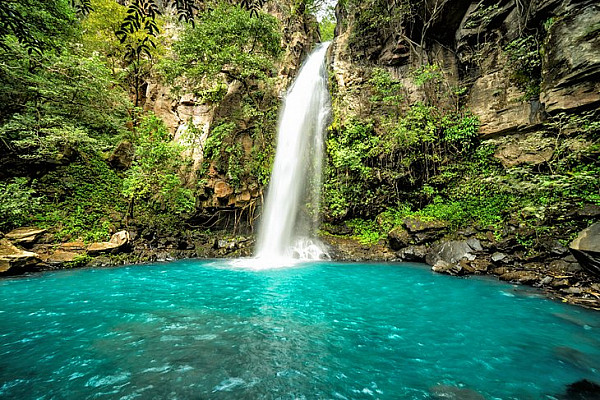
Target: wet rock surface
point(116, 242)
point(349, 249)
point(14, 260)
point(586, 249)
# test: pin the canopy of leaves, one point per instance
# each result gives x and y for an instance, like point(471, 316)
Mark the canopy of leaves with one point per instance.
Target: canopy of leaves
point(56, 101)
point(38, 25)
point(153, 177)
point(225, 40)
point(99, 30)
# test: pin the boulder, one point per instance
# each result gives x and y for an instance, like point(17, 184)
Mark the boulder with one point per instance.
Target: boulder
point(341, 230)
point(413, 253)
point(122, 156)
point(576, 358)
point(101, 247)
point(13, 258)
point(582, 390)
point(586, 249)
point(61, 257)
point(120, 238)
point(399, 238)
point(497, 257)
point(243, 197)
point(223, 190)
point(116, 242)
point(524, 277)
point(76, 246)
point(480, 265)
point(533, 149)
point(416, 225)
point(453, 251)
point(589, 211)
point(25, 235)
point(443, 267)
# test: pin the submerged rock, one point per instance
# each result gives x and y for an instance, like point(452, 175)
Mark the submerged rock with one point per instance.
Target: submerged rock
point(447, 392)
point(586, 249)
point(575, 358)
point(525, 277)
point(582, 390)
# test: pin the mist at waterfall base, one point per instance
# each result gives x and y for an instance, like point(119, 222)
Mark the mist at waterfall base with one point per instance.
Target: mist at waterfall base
point(202, 330)
point(290, 218)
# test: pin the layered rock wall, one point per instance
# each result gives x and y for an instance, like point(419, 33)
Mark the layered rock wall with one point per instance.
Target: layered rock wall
point(471, 40)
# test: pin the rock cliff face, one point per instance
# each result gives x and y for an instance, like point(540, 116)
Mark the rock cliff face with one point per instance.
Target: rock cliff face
point(474, 41)
point(299, 33)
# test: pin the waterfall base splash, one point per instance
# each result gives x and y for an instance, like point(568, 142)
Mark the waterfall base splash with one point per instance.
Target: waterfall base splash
point(309, 249)
point(304, 250)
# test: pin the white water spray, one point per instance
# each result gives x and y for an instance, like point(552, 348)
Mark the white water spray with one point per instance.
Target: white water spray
point(288, 228)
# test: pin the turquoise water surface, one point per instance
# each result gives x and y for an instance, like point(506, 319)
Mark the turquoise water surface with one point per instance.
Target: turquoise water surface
point(205, 330)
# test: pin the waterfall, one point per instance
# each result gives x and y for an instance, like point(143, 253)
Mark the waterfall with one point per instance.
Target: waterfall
point(291, 210)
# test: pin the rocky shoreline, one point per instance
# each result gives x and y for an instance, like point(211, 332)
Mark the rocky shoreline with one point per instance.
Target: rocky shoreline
point(552, 267)
point(474, 251)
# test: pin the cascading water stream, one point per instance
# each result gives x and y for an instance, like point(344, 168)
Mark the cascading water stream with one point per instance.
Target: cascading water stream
point(287, 229)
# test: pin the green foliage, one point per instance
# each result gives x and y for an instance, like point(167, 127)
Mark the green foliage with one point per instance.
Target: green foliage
point(385, 89)
point(80, 260)
point(481, 16)
point(153, 182)
point(37, 26)
point(18, 203)
point(137, 34)
point(366, 231)
point(226, 40)
point(460, 131)
point(78, 198)
point(57, 103)
point(99, 30)
point(327, 28)
point(350, 152)
point(427, 73)
point(525, 64)
point(349, 172)
point(245, 156)
point(212, 146)
point(403, 147)
point(375, 19)
point(253, 6)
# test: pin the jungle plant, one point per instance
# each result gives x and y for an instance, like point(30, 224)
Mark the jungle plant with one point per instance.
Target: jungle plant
point(226, 41)
point(525, 64)
point(153, 178)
